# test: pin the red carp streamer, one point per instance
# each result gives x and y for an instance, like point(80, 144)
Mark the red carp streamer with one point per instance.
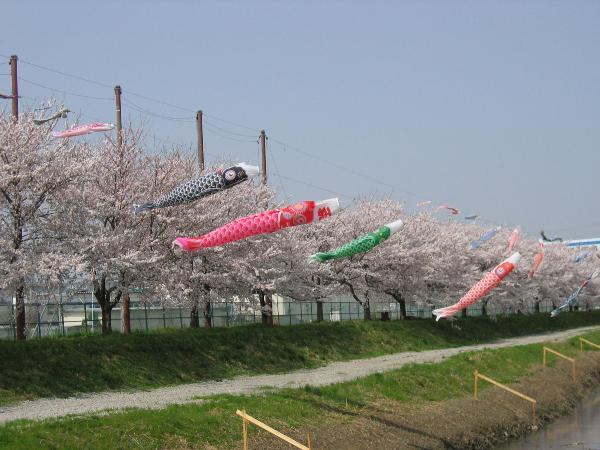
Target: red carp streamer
point(481, 288)
point(451, 209)
point(513, 239)
point(83, 129)
point(537, 260)
point(262, 223)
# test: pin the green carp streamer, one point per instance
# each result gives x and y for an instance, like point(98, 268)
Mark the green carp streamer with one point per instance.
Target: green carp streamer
point(359, 245)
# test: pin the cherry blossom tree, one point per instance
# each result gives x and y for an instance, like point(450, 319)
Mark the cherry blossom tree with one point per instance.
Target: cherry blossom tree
point(113, 242)
point(193, 279)
point(36, 173)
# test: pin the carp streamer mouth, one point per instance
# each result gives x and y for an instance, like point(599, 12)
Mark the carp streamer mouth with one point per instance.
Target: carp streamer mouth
point(251, 171)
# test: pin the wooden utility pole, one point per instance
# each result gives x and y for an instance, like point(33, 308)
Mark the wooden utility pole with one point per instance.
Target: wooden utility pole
point(263, 150)
point(200, 140)
point(125, 299)
point(118, 114)
point(15, 87)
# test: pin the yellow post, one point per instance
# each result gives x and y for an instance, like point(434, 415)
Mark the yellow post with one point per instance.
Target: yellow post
point(590, 343)
point(506, 388)
point(264, 426)
point(475, 385)
point(245, 431)
point(571, 360)
point(309, 446)
point(544, 356)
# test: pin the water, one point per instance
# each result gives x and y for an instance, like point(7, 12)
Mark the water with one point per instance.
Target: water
point(579, 430)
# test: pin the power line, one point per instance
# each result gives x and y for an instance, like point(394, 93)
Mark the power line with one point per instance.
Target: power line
point(209, 128)
point(233, 123)
point(215, 127)
point(62, 91)
point(333, 164)
point(98, 83)
point(295, 180)
point(150, 113)
point(77, 77)
point(272, 156)
point(229, 131)
point(161, 102)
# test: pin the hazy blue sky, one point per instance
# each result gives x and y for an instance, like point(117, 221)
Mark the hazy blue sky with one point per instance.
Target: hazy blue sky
point(491, 106)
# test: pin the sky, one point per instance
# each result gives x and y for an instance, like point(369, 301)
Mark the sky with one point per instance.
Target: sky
point(489, 106)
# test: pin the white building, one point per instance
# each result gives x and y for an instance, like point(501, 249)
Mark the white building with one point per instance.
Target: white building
point(583, 243)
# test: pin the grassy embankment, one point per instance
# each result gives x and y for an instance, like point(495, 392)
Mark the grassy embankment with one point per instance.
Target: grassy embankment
point(69, 365)
point(214, 424)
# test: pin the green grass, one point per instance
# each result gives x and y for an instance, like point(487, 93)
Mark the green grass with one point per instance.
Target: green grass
point(215, 422)
point(93, 363)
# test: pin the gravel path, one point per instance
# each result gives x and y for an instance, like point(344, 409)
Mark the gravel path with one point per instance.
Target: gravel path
point(332, 373)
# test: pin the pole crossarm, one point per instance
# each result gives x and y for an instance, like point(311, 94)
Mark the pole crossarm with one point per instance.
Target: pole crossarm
point(560, 355)
point(502, 386)
point(248, 418)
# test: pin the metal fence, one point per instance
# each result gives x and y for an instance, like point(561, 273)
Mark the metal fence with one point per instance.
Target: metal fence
point(66, 318)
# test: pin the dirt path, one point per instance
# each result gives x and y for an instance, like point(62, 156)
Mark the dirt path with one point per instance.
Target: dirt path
point(332, 373)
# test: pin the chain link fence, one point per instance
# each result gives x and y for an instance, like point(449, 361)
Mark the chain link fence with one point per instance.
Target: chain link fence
point(84, 316)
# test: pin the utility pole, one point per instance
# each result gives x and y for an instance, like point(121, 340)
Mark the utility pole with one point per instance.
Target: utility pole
point(118, 113)
point(263, 150)
point(125, 308)
point(15, 87)
point(200, 139)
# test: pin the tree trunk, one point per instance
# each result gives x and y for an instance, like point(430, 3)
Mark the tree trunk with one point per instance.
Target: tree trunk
point(266, 308)
point(207, 314)
point(536, 306)
point(194, 317)
point(319, 311)
point(463, 313)
point(269, 299)
point(106, 319)
point(367, 310)
point(365, 305)
point(20, 312)
point(103, 297)
point(402, 302)
point(125, 314)
point(483, 308)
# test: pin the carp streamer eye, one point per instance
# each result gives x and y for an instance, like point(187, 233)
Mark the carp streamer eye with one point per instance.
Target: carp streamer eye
point(229, 175)
point(299, 220)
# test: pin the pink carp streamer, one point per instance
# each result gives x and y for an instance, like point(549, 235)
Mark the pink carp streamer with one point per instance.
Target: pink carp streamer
point(481, 288)
point(262, 223)
point(451, 209)
point(83, 129)
point(513, 239)
point(537, 260)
